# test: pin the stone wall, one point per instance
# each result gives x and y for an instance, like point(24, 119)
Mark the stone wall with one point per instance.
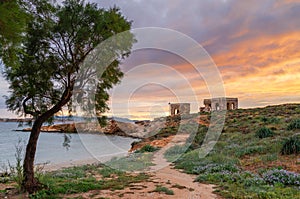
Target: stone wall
point(218, 104)
point(180, 109)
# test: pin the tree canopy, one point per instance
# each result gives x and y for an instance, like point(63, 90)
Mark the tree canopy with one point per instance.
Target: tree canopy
point(13, 18)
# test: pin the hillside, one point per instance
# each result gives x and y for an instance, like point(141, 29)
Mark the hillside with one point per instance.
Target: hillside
point(256, 156)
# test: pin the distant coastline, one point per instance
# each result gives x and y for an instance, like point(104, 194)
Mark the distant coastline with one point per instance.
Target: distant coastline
point(15, 119)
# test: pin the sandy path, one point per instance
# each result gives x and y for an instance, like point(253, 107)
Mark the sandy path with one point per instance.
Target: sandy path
point(180, 183)
point(162, 174)
point(164, 171)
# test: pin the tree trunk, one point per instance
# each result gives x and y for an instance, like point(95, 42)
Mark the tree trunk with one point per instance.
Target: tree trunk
point(30, 184)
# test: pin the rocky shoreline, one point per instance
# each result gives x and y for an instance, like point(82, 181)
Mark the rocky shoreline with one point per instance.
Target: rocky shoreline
point(157, 133)
point(113, 128)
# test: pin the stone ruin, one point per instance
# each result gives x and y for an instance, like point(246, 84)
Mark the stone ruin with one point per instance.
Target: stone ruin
point(219, 104)
point(180, 108)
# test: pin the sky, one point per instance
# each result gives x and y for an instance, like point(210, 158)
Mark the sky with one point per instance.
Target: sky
point(254, 45)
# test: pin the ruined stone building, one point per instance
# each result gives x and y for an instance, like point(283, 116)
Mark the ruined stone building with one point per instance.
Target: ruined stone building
point(179, 108)
point(218, 104)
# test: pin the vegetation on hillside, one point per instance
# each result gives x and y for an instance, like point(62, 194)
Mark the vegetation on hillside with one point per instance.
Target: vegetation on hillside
point(256, 156)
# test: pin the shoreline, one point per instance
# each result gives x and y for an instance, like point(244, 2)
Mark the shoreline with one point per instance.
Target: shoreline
point(74, 163)
point(45, 167)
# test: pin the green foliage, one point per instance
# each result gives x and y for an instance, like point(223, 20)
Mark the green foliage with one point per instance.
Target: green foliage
point(239, 184)
point(174, 152)
point(291, 145)
point(197, 140)
point(133, 162)
point(295, 124)
point(162, 189)
point(80, 179)
point(166, 132)
point(248, 150)
point(58, 40)
point(264, 119)
point(236, 150)
point(264, 132)
point(16, 171)
point(107, 172)
point(282, 176)
point(270, 120)
point(13, 18)
point(213, 168)
point(147, 148)
point(190, 160)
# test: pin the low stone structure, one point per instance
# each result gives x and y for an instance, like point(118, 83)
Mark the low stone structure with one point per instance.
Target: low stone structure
point(180, 108)
point(219, 104)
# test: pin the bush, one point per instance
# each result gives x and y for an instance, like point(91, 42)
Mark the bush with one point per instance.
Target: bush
point(165, 190)
point(272, 120)
point(196, 141)
point(291, 145)
point(214, 168)
point(250, 150)
point(147, 148)
point(264, 119)
point(175, 152)
point(16, 171)
point(295, 124)
point(282, 176)
point(264, 132)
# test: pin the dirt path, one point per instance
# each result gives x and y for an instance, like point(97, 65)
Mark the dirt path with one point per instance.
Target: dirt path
point(182, 185)
point(162, 174)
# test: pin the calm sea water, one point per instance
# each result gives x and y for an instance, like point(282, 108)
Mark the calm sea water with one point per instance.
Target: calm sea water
point(55, 148)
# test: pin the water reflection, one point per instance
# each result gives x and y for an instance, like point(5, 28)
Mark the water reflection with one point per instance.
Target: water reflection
point(67, 141)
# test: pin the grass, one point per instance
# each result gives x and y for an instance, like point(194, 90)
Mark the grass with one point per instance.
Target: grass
point(264, 132)
point(294, 125)
point(291, 145)
point(82, 179)
point(162, 189)
point(147, 148)
point(134, 162)
point(174, 152)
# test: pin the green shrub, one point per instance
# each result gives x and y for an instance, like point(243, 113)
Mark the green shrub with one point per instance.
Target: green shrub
point(147, 148)
point(166, 132)
point(295, 124)
point(264, 119)
point(165, 190)
point(272, 120)
point(291, 145)
point(214, 168)
point(196, 141)
point(16, 171)
point(250, 150)
point(264, 132)
point(175, 152)
point(282, 176)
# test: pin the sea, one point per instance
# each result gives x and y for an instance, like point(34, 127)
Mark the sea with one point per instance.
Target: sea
point(59, 148)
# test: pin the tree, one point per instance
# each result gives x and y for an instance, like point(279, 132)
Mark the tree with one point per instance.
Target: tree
point(57, 40)
point(13, 19)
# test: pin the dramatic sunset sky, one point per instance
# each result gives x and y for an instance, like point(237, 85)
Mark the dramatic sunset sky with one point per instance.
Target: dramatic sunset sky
point(255, 44)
